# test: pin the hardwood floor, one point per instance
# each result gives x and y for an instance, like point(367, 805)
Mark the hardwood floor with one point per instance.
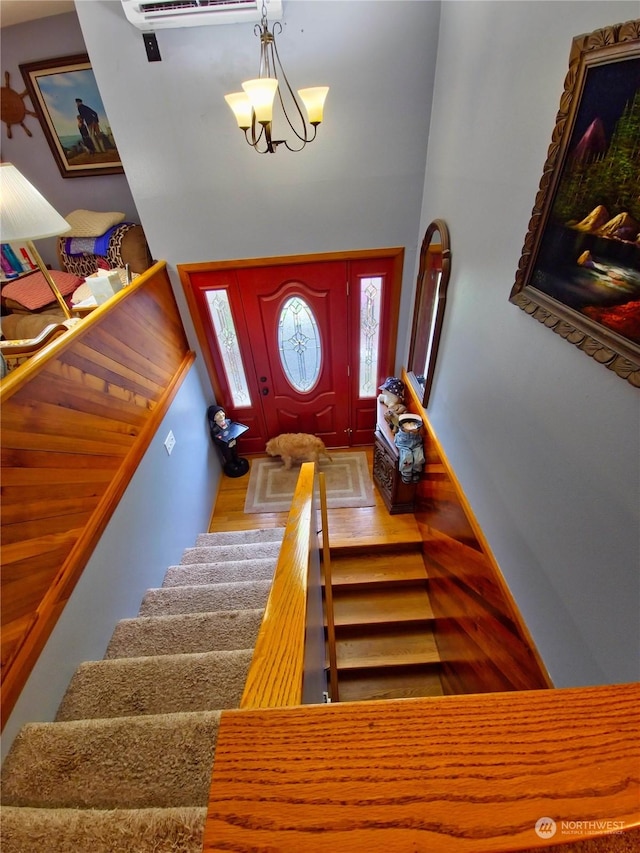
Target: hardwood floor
point(351, 528)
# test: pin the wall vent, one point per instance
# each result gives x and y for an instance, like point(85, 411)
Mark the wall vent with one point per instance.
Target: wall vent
point(163, 14)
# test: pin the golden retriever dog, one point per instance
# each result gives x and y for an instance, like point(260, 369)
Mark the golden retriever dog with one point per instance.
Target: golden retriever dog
point(297, 447)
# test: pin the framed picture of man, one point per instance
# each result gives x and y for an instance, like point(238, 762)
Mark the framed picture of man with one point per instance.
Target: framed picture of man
point(65, 97)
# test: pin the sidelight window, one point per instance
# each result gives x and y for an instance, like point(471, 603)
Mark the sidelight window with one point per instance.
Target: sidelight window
point(370, 302)
point(227, 340)
point(299, 344)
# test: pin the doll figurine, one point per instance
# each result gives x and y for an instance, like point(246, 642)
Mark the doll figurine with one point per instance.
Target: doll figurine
point(224, 434)
point(392, 395)
point(408, 440)
point(220, 421)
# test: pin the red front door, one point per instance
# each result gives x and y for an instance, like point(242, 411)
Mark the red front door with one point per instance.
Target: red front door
point(299, 343)
point(298, 347)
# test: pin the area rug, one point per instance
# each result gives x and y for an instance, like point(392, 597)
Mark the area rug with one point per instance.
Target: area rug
point(347, 480)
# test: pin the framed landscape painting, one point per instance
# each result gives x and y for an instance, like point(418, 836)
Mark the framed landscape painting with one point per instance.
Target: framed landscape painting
point(65, 97)
point(579, 272)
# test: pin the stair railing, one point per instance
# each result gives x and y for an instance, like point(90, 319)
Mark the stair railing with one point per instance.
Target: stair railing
point(328, 592)
point(287, 778)
point(288, 661)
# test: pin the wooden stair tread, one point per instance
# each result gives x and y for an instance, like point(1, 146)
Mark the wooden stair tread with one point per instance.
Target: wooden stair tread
point(381, 606)
point(368, 527)
point(391, 648)
point(377, 568)
point(389, 684)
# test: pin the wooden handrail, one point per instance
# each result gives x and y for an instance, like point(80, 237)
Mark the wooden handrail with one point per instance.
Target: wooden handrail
point(30, 369)
point(470, 773)
point(276, 674)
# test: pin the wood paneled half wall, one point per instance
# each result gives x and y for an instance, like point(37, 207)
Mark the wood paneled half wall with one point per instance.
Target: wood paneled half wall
point(482, 639)
point(76, 421)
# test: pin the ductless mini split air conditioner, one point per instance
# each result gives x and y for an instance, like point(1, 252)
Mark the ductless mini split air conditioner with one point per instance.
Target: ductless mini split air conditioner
point(163, 14)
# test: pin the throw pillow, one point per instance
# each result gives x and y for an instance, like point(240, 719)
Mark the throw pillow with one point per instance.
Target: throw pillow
point(91, 223)
point(33, 292)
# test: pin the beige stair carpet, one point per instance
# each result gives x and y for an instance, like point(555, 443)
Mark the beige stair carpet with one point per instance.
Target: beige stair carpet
point(32, 830)
point(157, 762)
point(236, 537)
point(223, 553)
point(230, 571)
point(167, 601)
point(185, 633)
point(126, 766)
point(121, 687)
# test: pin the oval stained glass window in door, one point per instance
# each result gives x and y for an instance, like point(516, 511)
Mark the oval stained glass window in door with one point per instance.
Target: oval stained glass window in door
point(299, 344)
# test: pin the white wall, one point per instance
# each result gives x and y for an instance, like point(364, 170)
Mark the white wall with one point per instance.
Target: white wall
point(545, 441)
point(204, 194)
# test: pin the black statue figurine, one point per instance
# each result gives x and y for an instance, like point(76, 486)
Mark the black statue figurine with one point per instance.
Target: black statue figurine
point(224, 434)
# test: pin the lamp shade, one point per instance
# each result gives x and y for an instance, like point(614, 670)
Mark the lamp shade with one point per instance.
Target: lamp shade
point(313, 100)
point(25, 214)
point(261, 93)
point(242, 109)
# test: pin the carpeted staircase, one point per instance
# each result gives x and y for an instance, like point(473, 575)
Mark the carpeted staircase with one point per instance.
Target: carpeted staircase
point(126, 766)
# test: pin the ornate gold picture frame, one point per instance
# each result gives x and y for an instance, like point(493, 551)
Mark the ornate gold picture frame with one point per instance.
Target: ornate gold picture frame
point(579, 272)
point(65, 97)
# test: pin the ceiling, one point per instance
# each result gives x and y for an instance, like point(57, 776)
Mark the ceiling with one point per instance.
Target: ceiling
point(19, 11)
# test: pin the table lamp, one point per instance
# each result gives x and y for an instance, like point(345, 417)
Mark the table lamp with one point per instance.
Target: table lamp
point(26, 215)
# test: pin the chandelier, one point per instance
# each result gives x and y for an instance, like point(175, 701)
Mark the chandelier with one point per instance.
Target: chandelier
point(253, 108)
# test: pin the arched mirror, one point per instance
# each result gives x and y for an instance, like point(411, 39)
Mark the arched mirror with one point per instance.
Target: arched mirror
point(428, 311)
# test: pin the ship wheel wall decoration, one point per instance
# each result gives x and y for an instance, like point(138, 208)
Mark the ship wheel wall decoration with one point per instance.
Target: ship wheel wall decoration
point(12, 108)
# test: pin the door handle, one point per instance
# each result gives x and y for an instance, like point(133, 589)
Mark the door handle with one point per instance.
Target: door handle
point(265, 391)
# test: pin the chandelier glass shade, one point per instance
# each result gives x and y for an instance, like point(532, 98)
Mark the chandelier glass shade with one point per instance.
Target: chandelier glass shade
point(253, 107)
